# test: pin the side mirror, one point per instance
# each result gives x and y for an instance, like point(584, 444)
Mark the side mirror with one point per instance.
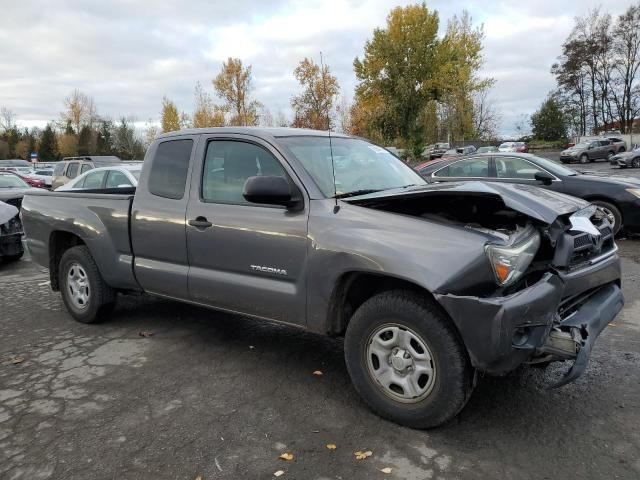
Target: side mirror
point(269, 190)
point(544, 177)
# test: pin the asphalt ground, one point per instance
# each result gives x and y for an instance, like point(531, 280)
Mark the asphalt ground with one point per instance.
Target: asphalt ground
point(201, 393)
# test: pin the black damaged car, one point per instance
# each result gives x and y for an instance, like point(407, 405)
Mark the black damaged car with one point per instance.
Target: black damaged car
point(617, 196)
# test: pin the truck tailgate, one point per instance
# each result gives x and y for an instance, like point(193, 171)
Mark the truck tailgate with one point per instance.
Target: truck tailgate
point(99, 220)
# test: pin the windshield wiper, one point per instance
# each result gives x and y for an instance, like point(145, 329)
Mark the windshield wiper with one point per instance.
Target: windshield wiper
point(356, 193)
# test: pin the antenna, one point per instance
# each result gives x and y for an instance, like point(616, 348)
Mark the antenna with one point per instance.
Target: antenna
point(336, 208)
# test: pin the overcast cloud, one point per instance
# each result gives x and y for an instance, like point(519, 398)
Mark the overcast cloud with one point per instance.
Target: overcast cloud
point(128, 54)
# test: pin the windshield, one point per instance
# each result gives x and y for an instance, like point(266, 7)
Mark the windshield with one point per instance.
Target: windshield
point(359, 166)
point(554, 167)
point(11, 181)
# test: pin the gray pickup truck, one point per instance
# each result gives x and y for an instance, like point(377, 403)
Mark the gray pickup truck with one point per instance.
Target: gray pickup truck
point(428, 284)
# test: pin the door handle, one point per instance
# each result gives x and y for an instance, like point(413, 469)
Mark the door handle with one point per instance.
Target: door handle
point(200, 223)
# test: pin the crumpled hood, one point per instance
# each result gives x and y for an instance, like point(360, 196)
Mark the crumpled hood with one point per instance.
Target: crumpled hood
point(7, 212)
point(537, 203)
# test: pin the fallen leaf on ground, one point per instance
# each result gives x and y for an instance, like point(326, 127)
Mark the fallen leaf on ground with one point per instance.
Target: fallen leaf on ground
point(286, 456)
point(317, 373)
point(17, 360)
point(278, 473)
point(363, 455)
point(386, 470)
point(146, 334)
point(331, 446)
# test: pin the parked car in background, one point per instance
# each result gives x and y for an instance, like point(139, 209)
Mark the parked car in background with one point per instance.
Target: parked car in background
point(105, 177)
point(17, 166)
point(448, 280)
point(70, 167)
point(590, 151)
point(617, 196)
point(518, 147)
point(435, 151)
point(30, 180)
point(12, 189)
point(618, 142)
point(44, 174)
point(626, 159)
point(489, 149)
point(458, 152)
point(10, 233)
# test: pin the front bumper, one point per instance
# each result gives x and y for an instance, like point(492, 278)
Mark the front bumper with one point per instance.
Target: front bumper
point(568, 158)
point(501, 333)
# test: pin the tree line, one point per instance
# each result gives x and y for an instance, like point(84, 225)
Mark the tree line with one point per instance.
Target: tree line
point(597, 77)
point(414, 88)
point(80, 130)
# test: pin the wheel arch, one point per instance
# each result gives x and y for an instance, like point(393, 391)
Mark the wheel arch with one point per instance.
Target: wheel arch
point(353, 288)
point(59, 242)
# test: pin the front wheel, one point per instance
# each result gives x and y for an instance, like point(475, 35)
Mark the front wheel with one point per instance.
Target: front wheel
point(406, 361)
point(84, 292)
point(613, 214)
point(584, 158)
point(636, 163)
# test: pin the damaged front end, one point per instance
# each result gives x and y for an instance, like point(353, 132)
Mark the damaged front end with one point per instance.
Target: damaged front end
point(548, 284)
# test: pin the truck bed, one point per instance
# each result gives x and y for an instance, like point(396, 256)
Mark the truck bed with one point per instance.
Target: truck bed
point(102, 220)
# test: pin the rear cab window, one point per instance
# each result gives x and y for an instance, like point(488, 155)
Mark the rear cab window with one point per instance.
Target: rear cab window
point(168, 174)
point(72, 169)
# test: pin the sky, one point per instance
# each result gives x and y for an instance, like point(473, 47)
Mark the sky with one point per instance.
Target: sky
point(128, 54)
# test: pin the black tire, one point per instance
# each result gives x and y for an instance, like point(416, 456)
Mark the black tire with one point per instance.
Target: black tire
point(101, 297)
point(622, 149)
point(453, 381)
point(635, 163)
point(610, 156)
point(614, 211)
point(584, 158)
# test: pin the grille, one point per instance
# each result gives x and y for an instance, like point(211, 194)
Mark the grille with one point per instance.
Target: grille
point(586, 246)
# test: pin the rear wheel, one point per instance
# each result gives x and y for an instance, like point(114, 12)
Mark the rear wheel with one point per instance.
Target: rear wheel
point(584, 158)
point(84, 292)
point(609, 156)
point(406, 361)
point(612, 212)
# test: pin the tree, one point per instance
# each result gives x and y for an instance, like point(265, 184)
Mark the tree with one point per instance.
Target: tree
point(86, 141)
point(548, 121)
point(4, 150)
point(80, 110)
point(206, 113)
point(22, 149)
point(125, 141)
point(234, 85)
point(150, 134)
point(397, 75)
point(485, 116)
point(47, 150)
point(7, 119)
point(104, 141)
point(314, 105)
point(626, 46)
point(170, 118)
point(68, 145)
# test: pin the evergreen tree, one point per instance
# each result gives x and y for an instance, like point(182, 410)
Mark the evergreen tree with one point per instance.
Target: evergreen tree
point(47, 148)
point(549, 122)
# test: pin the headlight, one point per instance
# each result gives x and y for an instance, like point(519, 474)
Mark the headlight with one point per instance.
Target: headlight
point(634, 191)
point(509, 263)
